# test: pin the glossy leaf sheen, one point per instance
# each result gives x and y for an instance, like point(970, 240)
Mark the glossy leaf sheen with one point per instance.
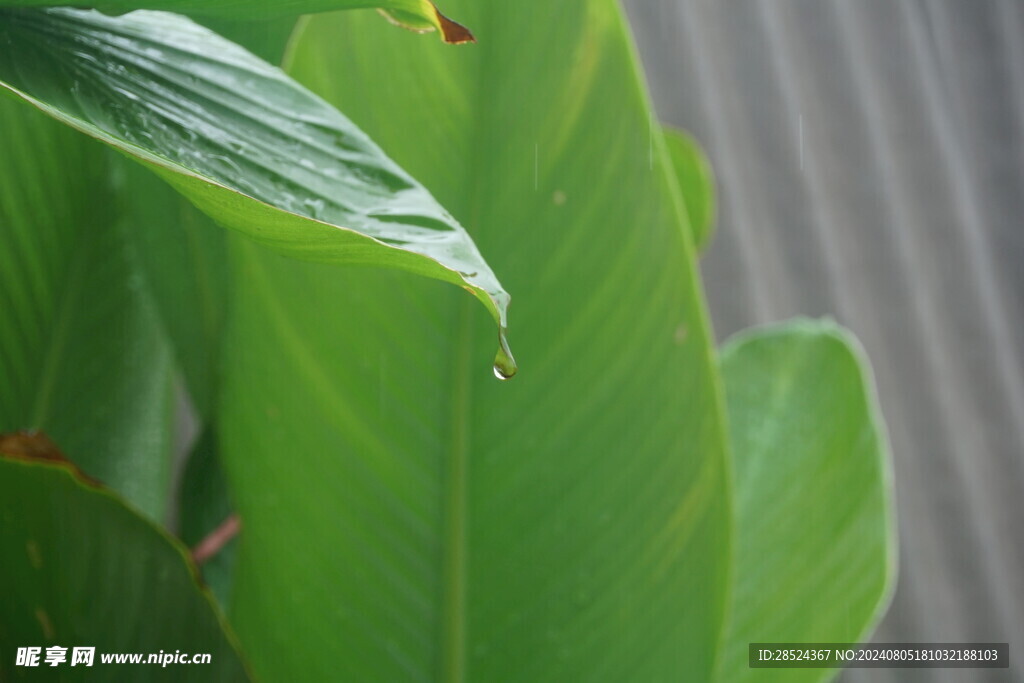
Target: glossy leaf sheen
point(83, 569)
point(816, 554)
point(241, 140)
point(183, 253)
point(431, 523)
point(81, 352)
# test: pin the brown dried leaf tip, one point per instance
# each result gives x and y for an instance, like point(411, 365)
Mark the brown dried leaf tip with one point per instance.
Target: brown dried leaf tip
point(30, 445)
point(454, 33)
point(34, 446)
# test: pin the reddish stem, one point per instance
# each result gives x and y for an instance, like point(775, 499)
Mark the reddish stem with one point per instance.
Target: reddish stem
point(216, 539)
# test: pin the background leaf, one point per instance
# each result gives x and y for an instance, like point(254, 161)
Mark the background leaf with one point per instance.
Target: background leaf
point(265, 38)
point(243, 142)
point(815, 558)
point(429, 522)
point(183, 256)
point(696, 183)
point(419, 15)
point(90, 572)
point(82, 355)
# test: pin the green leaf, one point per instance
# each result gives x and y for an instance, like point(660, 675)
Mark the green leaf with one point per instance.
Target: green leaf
point(265, 38)
point(816, 551)
point(417, 15)
point(81, 351)
point(82, 569)
point(242, 141)
point(183, 253)
point(696, 183)
point(183, 256)
point(428, 521)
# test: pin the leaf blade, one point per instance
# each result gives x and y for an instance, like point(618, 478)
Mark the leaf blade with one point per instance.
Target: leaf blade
point(815, 542)
point(417, 15)
point(82, 355)
point(181, 254)
point(239, 139)
point(65, 544)
point(532, 530)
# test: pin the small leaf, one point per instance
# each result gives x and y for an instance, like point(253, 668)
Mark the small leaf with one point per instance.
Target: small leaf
point(696, 183)
point(815, 551)
point(245, 143)
point(82, 569)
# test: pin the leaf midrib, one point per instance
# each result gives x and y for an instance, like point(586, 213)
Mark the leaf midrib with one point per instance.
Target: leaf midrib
point(454, 541)
point(454, 632)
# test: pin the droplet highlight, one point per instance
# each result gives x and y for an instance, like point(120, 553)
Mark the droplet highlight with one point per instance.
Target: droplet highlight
point(504, 364)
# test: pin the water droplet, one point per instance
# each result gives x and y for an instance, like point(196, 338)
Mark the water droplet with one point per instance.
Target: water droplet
point(504, 364)
point(314, 207)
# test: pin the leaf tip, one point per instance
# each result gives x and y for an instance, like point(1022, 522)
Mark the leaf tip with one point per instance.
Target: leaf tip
point(453, 32)
point(430, 19)
point(36, 446)
point(30, 445)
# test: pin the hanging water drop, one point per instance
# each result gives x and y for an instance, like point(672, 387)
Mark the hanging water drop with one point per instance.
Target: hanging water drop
point(504, 364)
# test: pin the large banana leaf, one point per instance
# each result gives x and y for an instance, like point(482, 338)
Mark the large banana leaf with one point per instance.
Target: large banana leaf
point(243, 142)
point(815, 558)
point(81, 569)
point(421, 15)
point(407, 517)
point(81, 352)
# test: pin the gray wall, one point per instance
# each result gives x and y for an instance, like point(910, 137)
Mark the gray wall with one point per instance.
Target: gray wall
point(870, 160)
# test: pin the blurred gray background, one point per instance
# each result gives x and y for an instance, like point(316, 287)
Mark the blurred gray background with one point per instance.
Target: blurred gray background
point(870, 164)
